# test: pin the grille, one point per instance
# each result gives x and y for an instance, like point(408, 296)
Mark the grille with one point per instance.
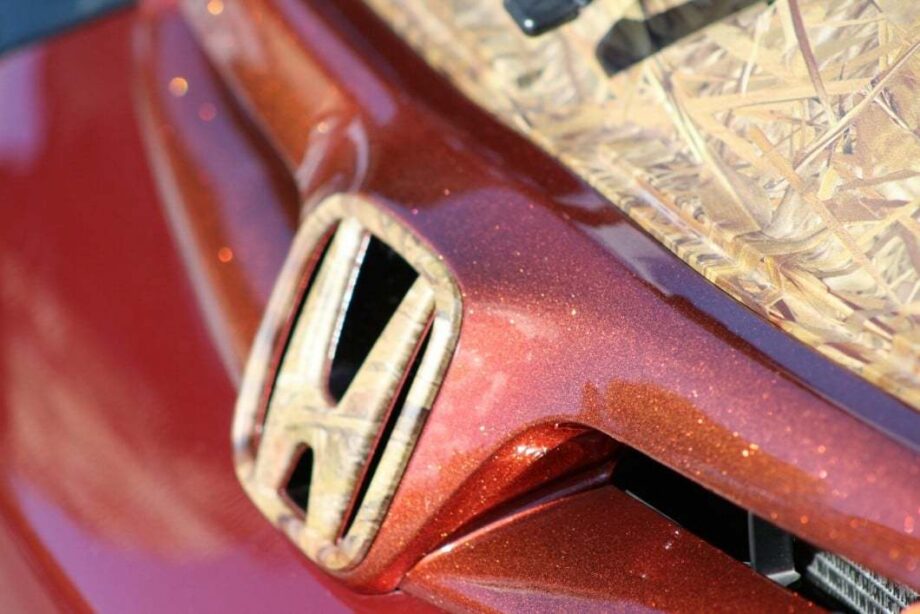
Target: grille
point(855, 586)
point(827, 579)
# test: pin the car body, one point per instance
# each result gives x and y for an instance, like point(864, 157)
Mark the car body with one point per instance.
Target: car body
point(610, 430)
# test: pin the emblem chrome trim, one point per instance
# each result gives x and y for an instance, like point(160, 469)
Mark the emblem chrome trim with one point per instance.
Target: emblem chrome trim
point(279, 412)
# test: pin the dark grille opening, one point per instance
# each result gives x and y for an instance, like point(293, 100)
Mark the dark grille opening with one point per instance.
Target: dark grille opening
point(826, 579)
point(857, 588)
point(385, 433)
point(688, 504)
point(298, 485)
point(382, 282)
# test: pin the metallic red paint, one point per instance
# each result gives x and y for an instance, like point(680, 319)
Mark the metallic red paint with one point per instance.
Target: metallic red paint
point(117, 490)
point(597, 551)
point(118, 375)
point(565, 330)
point(231, 205)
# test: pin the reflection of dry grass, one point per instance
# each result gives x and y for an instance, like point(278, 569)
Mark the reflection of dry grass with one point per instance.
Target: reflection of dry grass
point(776, 151)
